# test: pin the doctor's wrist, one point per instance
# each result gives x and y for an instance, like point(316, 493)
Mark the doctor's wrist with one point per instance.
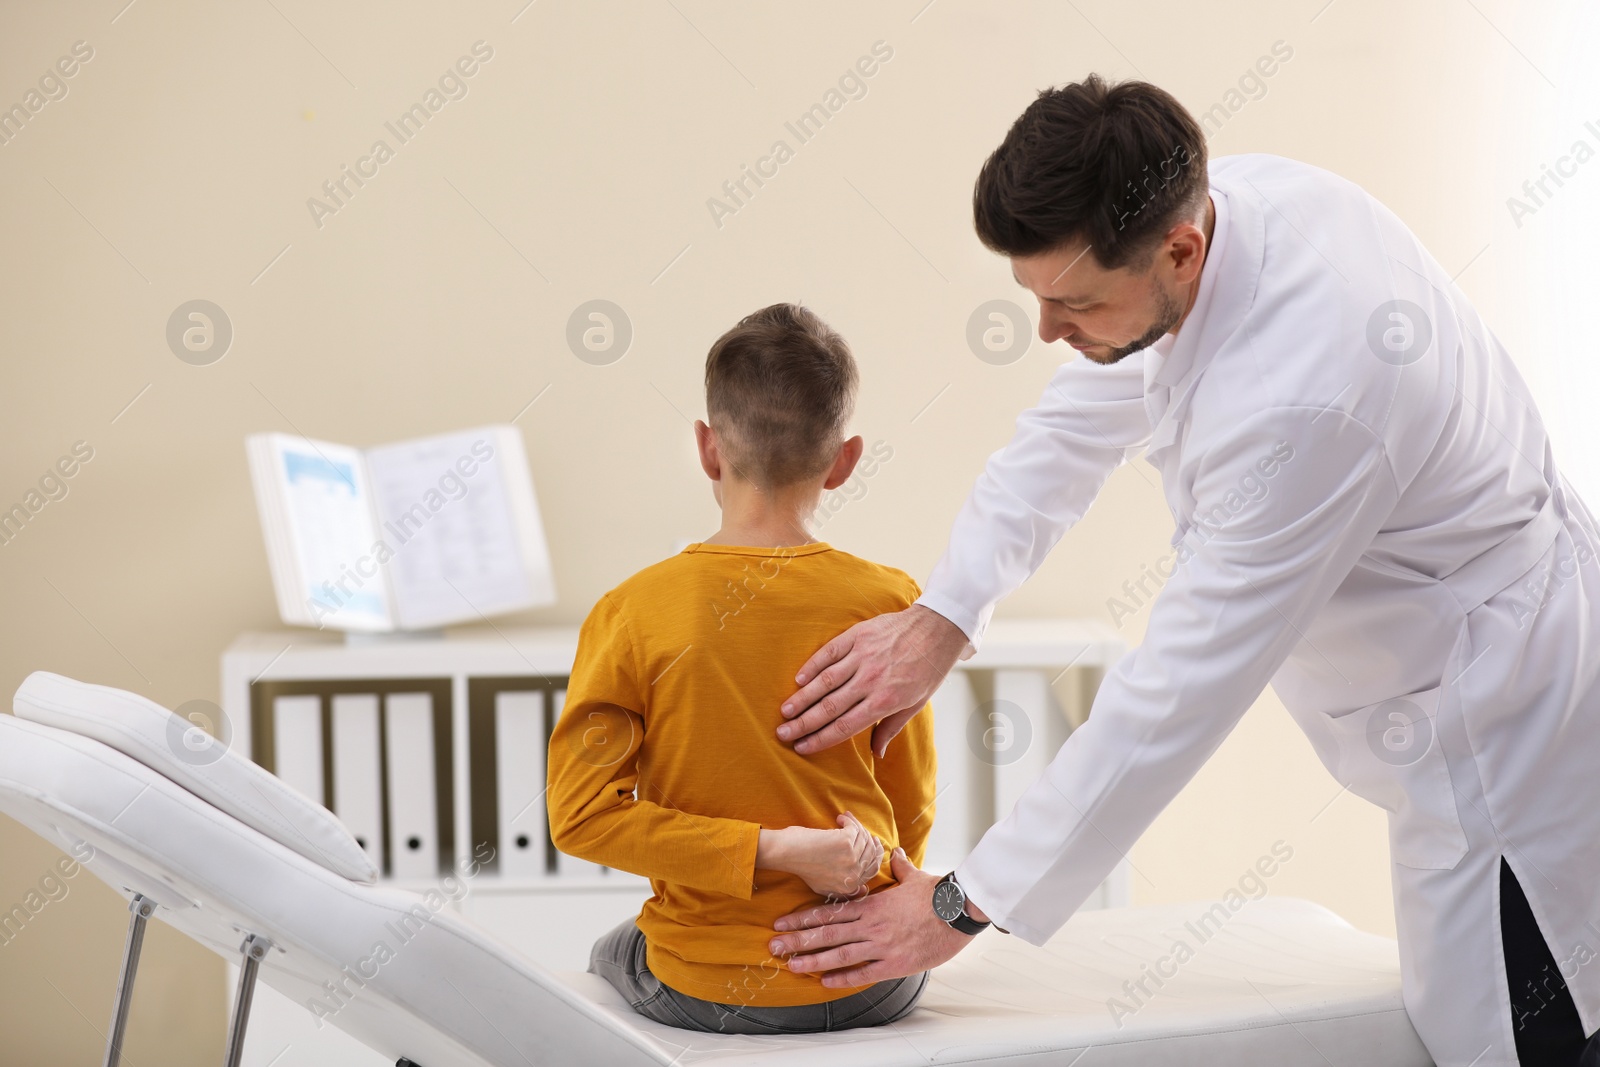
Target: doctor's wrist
point(940, 637)
point(979, 915)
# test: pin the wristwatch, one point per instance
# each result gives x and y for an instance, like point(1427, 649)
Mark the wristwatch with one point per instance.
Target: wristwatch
point(950, 905)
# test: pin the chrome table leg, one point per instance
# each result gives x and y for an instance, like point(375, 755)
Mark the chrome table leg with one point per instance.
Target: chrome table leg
point(254, 950)
point(141, 909)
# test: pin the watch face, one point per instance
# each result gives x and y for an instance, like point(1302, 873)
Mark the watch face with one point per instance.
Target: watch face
point(949, 902)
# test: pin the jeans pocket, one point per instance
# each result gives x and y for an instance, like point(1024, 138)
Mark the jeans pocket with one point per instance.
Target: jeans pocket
point(1389, 754)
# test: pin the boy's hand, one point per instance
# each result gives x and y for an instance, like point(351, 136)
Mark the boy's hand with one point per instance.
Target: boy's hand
point(837, 863)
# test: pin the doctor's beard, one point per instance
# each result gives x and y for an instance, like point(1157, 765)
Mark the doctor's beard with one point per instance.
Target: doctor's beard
point(1168, 314)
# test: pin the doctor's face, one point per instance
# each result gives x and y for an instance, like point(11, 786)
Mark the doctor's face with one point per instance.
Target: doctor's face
point(1110, 314)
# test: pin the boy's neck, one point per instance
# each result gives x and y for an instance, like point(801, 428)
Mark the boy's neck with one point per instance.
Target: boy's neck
point(765, 519)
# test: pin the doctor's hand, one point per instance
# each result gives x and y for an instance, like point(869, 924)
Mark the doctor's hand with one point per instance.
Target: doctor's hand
point(834, 863)
point(879, 673)
point(890, 934)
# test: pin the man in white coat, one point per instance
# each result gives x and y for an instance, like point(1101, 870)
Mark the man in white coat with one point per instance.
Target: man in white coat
point(1367, 516)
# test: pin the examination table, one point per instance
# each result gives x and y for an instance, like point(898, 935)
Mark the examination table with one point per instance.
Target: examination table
point(206, 841)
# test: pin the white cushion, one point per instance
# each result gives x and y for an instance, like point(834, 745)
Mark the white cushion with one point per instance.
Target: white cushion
point(180, 751)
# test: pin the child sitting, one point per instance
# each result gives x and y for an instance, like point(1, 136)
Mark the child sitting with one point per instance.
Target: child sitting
point(665, 761)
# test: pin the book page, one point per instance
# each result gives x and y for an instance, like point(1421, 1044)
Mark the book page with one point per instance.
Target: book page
point(267, 482)
point(445, 516)
point(535, 550)
point(329, 511)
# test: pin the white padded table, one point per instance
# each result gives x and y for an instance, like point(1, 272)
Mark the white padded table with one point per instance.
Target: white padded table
point(1284, 981)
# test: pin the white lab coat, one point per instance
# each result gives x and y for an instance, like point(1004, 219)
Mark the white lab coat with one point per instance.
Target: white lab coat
point(1362, 513)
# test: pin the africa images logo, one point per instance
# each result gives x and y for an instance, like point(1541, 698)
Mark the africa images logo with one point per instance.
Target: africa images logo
point(1398, 732)
point(1399, 332)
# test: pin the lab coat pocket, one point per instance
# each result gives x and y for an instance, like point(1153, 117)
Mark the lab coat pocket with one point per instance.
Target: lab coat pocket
point(1389, 754)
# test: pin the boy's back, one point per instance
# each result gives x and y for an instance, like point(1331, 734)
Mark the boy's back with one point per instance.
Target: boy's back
point(665, 761)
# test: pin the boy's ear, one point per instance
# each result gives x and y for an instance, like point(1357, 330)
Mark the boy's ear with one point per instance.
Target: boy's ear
point(845, 463)
point(706, 443)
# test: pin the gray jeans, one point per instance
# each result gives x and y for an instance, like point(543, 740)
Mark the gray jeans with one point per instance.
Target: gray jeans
point(618, 957)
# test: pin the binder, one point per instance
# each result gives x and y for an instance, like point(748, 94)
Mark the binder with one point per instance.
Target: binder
point(519, 753)
point(297, 743)
point(569, 866)
point(357, 784)
point(413, 789)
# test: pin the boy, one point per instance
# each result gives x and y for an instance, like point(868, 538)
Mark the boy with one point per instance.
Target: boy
point(664, 761)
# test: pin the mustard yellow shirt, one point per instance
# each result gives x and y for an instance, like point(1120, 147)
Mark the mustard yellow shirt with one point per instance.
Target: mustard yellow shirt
point(665, 762)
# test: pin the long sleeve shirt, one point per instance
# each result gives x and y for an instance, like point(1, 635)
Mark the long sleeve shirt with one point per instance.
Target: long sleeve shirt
point(665, 760)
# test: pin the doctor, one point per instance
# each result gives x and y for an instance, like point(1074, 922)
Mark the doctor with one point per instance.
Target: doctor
point(1367, 516)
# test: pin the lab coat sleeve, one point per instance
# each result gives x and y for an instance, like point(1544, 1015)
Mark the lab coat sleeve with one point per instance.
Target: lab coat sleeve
point(1090, 419)
point(1221, 626)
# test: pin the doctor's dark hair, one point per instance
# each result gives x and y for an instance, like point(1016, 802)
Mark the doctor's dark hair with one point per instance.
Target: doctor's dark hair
point(780, 387)
point(1116, 165)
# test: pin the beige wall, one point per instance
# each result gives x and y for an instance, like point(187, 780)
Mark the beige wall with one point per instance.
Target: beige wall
point(578, 166)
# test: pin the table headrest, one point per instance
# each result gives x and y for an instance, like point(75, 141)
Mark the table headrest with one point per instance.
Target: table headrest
point(181, 751)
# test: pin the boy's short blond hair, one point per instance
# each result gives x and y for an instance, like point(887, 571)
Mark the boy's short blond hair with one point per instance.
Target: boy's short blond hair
point(780, 389)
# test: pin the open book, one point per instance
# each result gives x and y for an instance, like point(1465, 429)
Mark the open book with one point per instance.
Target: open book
point(409, 536)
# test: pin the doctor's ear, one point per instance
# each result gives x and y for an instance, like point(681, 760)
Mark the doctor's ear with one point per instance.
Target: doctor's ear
point(1183, 251)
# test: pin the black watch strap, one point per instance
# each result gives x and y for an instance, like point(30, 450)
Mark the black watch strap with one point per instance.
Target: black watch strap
point(968, 925)
point(962, 922)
